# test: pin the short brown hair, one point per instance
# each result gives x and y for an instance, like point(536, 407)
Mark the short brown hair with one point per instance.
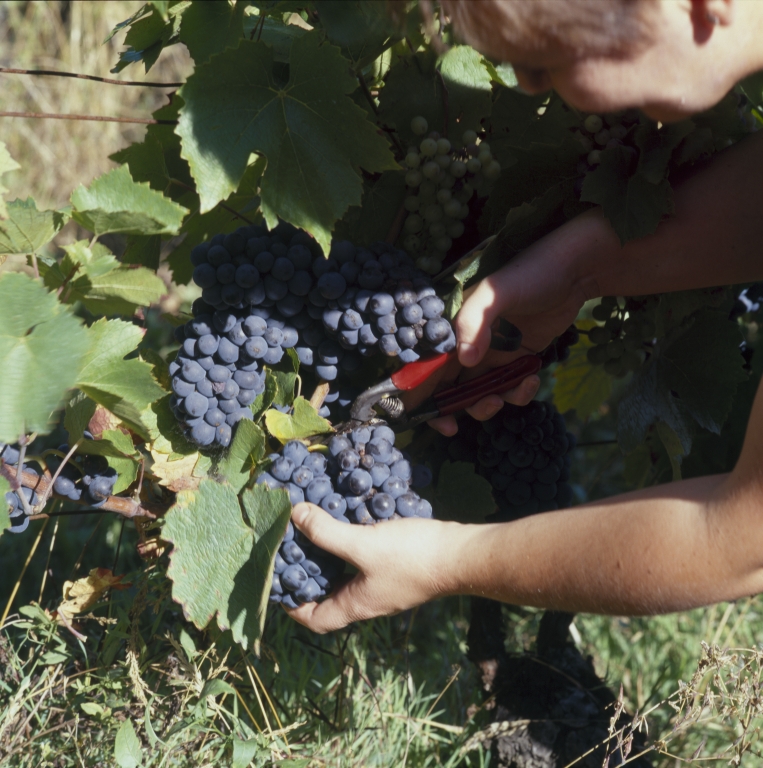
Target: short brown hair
point(584, 27)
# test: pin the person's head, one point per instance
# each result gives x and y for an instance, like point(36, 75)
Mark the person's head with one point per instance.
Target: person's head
point(670, 58)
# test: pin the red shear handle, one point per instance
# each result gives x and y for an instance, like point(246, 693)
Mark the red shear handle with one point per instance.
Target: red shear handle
point(414, 374)
point(494, 382)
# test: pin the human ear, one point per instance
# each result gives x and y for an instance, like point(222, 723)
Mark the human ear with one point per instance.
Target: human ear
point(712, 13)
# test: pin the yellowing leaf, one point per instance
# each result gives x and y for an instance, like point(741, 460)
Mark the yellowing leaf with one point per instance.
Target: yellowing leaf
point(581, 386)
point(81, 595)
point(176, 475)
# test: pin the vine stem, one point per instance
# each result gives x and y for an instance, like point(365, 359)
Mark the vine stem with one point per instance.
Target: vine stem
point(46, 493)
point(96, 118)
point(54, 73)
point(122, 505)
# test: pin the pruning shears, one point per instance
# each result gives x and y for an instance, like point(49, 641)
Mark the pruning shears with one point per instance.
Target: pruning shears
point(442, 403)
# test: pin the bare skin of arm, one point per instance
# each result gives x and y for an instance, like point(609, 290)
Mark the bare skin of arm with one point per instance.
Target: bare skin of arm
point(667, 548)
point(712, 239)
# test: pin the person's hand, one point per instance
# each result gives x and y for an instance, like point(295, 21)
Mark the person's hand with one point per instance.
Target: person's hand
point(541, 292)
point(399, 566)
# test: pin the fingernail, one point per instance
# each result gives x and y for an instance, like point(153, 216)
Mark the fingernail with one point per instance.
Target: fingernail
point(468, 354)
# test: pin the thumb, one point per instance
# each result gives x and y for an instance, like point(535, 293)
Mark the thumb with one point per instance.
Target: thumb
point(325, 532)
point(473, 323)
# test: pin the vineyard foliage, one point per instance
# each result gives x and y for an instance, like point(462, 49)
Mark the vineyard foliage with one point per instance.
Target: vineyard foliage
point(300, 111)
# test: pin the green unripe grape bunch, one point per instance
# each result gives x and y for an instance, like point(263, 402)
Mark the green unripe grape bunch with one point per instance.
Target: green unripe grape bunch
point(442, 177)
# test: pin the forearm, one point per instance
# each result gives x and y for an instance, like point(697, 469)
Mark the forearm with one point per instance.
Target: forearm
point(711, 239)
point(668, 548)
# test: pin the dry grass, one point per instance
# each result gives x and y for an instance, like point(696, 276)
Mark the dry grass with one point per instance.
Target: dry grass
point(56, 156)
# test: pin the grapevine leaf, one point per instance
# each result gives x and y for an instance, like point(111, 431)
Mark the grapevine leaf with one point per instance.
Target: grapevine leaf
point(657, 146)
point(221, 565)
point(7, 164)
point(462, 494)
point(144, 250)
point(304, 423)
point(423, 85)
point(26, 229)
point(382, 199)
point(246, 450)
point(644, 404)
point(42, 349)
point(178, 473)
point(673, 447)
point(265, 400)
point(633, 205)
point(116, 203)
point(127, 751)
point(222, 219)
point(273, 32)
point(673, 308)
point(268, 513)
point(468, 87)
point(79, 411)
point(519, 126)
point(581, 386)
point(101, 283)
point(308, 128)
point(286, 381)
point(453, 302)
point(124, 387)
point(503, 74)
point(705, 391)
point(208, 28)
point(363, 30)
point(147, 36)
point(164, 430)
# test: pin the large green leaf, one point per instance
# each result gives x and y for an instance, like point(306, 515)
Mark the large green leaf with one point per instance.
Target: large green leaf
point(104, 285)
point(26, 229)
point(678, 387)
point(124, 387)
point(373, 220)
point(706, 391)
point(246, 450)
point(221, 564)
point(315, 138)
point(362, 29)
point(7, 164)
point(208, 28)
point(633, 204)
point(116, 203)
point(453, 93)
point(42, 350)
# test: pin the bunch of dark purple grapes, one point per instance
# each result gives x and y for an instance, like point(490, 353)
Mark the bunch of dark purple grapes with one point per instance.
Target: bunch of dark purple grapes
point(215, 375)
point(524, 453)
point(264, 292)
point(364, 479)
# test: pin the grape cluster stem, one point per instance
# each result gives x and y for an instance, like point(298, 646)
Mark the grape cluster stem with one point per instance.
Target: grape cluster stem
point(122, 505)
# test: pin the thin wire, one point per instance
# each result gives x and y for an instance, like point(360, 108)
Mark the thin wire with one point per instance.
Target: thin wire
point(96, 118)
point(54, 73)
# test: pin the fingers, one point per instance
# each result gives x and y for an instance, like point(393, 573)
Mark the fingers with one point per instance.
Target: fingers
point(326, 532)
point(340, 609)
point(473, 324)
point(487, 407)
